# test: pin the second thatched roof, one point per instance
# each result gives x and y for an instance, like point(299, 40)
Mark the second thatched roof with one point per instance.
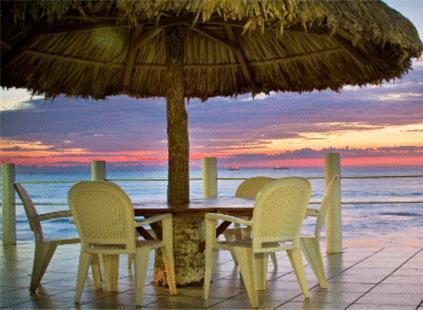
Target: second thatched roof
point(101, 48)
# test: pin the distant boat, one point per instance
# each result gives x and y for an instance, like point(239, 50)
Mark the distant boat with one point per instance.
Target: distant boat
point(280, 168)
point(234, 168)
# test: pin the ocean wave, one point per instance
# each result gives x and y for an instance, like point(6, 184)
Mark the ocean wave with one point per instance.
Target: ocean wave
point(70, 229)
point(402, 214)
point(59, 221)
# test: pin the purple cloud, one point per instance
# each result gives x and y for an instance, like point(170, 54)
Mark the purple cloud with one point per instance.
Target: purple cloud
point(126, 124)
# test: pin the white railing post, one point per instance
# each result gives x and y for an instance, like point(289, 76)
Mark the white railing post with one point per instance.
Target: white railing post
point(8, 204)
point(334, 221)
point(98, 170)
point(209, 169)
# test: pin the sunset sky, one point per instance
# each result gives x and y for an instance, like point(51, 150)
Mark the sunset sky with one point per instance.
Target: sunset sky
point(370, 126)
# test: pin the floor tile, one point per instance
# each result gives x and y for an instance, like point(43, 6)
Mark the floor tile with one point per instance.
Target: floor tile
point(372, 298)
point(380, 307)
point(354, 272)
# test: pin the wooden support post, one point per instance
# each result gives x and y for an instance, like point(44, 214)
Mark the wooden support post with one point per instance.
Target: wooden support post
point(209, 169)
point(334, 222)
point(8, 204)
point(98, 170)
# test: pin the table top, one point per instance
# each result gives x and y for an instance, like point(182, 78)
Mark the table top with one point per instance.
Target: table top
point(224, 205)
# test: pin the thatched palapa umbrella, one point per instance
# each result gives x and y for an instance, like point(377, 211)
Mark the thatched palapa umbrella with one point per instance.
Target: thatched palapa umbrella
point(200, 48)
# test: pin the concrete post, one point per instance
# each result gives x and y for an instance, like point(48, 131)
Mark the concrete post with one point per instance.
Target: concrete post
point(98, 170)
point(209, 168)
point(8, 204)
point(334, 222)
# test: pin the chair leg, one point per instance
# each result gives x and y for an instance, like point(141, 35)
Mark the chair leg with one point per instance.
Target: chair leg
point(234, 258)
point(260, 269)
point(167, 254)
point(230, 236)
point(141, 267)
point(43, 253)
point(274, 260)
point(311, 250)
point(96, 270)
point(210, 257)
point(131, 260)
point(84, 263)
point(36, 264)
point(244, 257)
point(298, 266)
point(111, 269)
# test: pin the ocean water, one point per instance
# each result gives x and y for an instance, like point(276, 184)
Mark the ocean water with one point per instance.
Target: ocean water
point(394, 222)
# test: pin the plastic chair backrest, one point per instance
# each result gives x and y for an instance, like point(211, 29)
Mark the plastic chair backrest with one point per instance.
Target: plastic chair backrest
point(249, 188)
point(279, 211)
point(332, 187)
point(30, 210)
point(104, 216)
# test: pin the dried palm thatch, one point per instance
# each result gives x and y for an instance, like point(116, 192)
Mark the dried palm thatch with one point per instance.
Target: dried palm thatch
point(101, 48)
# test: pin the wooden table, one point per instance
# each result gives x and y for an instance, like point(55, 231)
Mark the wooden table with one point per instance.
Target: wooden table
point(193, 211)
point(188, 233)
point(224, 205)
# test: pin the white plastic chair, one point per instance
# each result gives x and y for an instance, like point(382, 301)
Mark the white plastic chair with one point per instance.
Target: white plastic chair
point(45, 248)
point(104, 216)
point(278, 214)
point(310, 245)
point(249, 189)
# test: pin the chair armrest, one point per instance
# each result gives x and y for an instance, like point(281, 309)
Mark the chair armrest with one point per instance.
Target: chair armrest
point(153, 219)
point(228, 218)
point(312, 212)
point(53, 215)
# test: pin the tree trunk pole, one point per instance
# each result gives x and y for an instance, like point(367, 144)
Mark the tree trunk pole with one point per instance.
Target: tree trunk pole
point(187, 231)
point(177, 121)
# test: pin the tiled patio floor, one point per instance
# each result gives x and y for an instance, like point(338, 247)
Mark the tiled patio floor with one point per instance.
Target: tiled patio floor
point(364, 277)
